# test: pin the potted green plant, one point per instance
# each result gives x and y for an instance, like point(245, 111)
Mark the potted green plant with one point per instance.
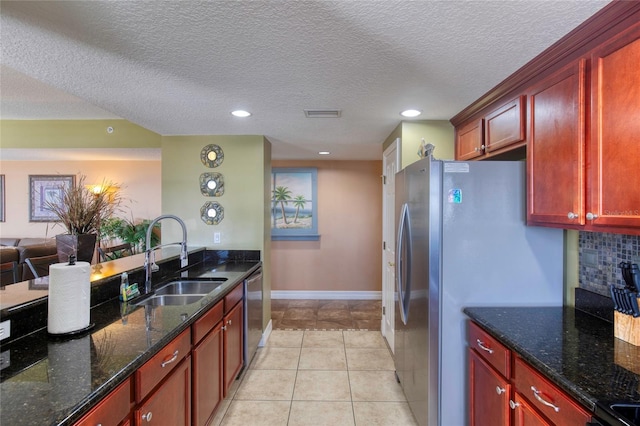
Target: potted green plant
point(129, 231)
point(81, 210)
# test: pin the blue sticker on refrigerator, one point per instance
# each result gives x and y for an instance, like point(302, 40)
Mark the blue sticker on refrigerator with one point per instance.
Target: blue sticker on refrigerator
point(455, 196)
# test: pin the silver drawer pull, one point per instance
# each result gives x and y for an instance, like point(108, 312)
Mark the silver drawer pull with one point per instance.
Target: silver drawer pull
point(147, 416)
point(537, 393)
point(483, 347)
point(500, 390)
point(170, 360)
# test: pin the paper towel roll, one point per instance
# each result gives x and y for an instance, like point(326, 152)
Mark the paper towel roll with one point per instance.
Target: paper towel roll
point(69, 297)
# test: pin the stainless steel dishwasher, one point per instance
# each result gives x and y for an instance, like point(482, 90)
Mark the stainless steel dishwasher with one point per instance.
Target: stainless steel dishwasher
point(252, 315)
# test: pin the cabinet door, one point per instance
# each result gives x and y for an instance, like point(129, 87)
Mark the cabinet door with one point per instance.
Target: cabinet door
point(614, 166)
point(469, 141)
point(505, 126)
point(555, 154)
point(113, 409)
point(170, 403)
point(207, 376)
point(233, 345)
point(489, 394)
point(524, 414)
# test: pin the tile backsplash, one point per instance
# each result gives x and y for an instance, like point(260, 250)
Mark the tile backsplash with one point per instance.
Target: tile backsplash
point(608, 250)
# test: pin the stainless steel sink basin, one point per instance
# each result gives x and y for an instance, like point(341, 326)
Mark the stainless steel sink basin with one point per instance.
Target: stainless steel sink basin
point(171, 300)
point(186, 287)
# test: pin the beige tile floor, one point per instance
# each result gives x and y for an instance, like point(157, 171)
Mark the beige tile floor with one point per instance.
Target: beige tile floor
point(315, 378)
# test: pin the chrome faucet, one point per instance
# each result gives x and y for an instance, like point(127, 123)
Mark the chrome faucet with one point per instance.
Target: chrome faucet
point(149, 264)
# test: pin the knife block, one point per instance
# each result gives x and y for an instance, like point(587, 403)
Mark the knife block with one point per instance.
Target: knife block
point(626, 327)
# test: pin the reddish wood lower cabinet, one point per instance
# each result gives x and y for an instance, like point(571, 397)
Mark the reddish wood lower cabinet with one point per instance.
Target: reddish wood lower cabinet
point(501, 394)
point(233, 345)
point(207, 376)
point(489, 394)
point(114, 409)
point(524, 414)
point(170, 403)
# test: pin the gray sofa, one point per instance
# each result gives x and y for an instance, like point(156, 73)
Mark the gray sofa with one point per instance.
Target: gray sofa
point(19, 249)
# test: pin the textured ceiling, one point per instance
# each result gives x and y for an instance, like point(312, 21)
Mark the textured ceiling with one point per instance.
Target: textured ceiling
point(179, 68)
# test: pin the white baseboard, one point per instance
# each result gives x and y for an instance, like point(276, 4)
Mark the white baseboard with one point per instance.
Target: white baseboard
point(326, 295)
point(265, 334)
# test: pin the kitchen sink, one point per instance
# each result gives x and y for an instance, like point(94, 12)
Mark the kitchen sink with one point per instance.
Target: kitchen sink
point(171, 300)
point(629, 412)
point(187, 287)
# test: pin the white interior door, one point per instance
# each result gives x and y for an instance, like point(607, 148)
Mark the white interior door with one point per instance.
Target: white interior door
point(390, 165)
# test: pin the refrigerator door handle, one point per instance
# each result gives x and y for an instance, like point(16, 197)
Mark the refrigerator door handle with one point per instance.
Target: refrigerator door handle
point(403, 262)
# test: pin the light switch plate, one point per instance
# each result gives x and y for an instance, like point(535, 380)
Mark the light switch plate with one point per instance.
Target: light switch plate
point(216, 238)
point(5, 329)
point(590, 257)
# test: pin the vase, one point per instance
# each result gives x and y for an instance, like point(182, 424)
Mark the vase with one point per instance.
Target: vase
point(82, 245)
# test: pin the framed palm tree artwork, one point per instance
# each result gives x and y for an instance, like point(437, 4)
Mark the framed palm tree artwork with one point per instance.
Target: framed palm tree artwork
point(294, 204)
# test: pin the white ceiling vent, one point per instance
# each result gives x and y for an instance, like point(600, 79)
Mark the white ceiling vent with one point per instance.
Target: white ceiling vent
point(322, 113)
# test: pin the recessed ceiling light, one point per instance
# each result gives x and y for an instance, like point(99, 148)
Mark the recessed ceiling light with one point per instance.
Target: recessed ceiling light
point(324, 152)
point(410, 113)
point(240, 113)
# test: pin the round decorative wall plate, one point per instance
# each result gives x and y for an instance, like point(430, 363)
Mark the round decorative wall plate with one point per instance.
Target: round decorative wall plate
point(211, 155)
point(212, 184)
point(212, 213)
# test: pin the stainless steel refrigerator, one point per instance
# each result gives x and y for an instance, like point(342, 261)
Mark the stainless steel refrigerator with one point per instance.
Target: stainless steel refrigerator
point(461, 241)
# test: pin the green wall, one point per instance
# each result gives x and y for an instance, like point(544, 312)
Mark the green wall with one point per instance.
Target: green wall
point(246, 170)
point(75, 134)
point(437, 132)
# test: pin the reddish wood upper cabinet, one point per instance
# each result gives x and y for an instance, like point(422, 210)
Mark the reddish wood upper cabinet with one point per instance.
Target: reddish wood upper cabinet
point(470, 141)
point(613, 188)
point(505, 126)
point(555, 154)
point(500, 130)
point(583, 158)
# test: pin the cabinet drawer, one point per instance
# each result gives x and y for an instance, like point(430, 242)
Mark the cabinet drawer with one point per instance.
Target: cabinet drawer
point(206, 322)
point(154, 370)
point(114, 408)
point(233, 297)
point(490, 349)
point(546, 397)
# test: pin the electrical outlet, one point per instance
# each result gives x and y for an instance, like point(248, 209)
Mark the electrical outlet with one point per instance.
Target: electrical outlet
point(216, 238)
point(5, 329)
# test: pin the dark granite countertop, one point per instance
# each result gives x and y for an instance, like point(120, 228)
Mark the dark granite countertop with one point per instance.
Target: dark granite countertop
point(575, 350)
point(51, 381)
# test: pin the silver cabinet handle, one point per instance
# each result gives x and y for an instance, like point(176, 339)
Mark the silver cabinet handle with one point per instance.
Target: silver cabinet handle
point(170, 360)
point(500, 390)
point(482, 146)
point(483, 347)
point(147, 416)
point(591, 216)
point(224, 328)
point(536, 393)
point(228, 322)
point(572, 215)
point(513, 404)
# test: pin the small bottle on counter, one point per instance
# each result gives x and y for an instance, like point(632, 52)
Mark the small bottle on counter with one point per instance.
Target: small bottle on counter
point(124, 286)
